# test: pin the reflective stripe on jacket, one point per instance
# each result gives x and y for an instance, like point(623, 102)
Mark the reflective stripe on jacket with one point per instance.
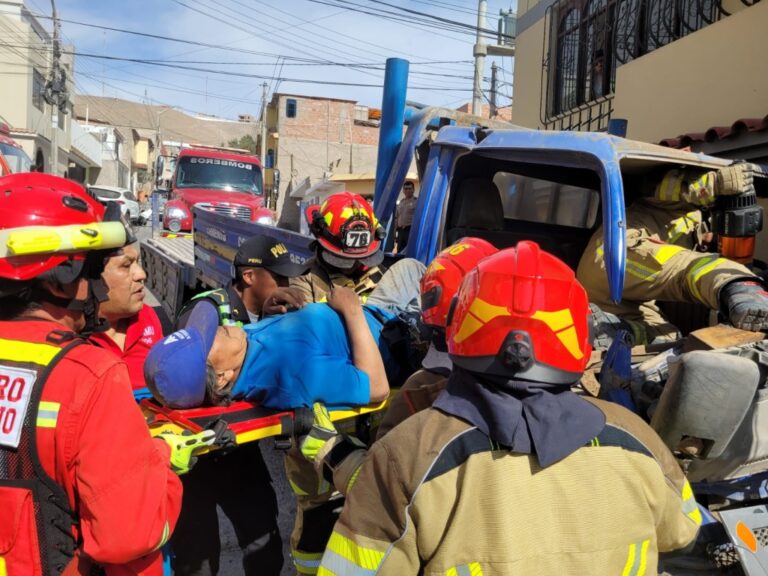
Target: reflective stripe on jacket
point(437, 496)
point(93, 441)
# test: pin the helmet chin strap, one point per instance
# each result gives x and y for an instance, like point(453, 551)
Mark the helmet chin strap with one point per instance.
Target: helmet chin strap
point(69, 273)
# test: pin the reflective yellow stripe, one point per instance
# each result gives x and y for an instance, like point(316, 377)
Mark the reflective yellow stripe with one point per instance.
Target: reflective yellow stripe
point(669, 187)
point(48, 414)
point(690, 506)
point(3, 569)
point(664, 253)
point(296, 490)
point(306, 562)
point(643, 557)
point(630, 560)
point(637, 562)
point(164, 538)
point(700, 192)
point(475, 569)
point(704, 266)
point(641, 271)
point(471, 569)
point(344, 556)
point(634, 268)
point(18, 351)
point(353, 479)
point(681, 226)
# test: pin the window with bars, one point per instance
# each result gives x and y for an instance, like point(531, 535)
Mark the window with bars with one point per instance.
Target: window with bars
point(585, 62)
point(38, 88)
point(591, 38)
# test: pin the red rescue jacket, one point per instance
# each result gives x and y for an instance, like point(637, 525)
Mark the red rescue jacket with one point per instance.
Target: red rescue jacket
point(94, 443)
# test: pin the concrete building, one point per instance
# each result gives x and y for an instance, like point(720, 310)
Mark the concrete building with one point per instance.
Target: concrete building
point(311, 138)
point(132, 134)
point(673, 70)
point(25, 63)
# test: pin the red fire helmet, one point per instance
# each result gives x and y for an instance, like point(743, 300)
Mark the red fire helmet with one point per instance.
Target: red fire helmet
point(444, 274)
point(521, 313)
point(346, 227)
point(46, 220)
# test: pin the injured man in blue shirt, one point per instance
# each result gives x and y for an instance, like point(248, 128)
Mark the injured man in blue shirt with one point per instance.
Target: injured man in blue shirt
point(322, 353)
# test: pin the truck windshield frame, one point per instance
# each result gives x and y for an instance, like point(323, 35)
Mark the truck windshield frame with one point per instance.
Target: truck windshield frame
point(16, 158)
point(219, 174)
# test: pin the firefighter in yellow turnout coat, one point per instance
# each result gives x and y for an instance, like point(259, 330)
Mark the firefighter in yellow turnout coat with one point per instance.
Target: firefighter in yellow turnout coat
point(510, 472)
point(662, 235)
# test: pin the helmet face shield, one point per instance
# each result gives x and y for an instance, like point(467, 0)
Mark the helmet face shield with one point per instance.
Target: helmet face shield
point(521, 313)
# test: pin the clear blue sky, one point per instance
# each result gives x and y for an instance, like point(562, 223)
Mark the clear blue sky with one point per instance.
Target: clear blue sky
point(273, 38)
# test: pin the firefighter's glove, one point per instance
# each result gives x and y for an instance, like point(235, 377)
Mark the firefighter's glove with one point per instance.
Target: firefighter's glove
point(322, 436)
point(745, 303)
point(735, 179)
point(183, 447)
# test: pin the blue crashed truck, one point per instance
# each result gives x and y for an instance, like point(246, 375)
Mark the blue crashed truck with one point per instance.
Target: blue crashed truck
point(505, 184)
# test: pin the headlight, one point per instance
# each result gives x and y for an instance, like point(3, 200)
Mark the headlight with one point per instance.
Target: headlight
point(176, 213)
point(267, 220)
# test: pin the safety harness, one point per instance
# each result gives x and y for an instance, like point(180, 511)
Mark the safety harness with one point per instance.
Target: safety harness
point(220, 298)
point(37, 534)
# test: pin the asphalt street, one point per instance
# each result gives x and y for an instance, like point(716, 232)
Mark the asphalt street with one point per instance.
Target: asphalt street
point(230, 552)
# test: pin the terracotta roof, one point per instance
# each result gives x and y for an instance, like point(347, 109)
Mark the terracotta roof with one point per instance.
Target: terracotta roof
point(715, 133)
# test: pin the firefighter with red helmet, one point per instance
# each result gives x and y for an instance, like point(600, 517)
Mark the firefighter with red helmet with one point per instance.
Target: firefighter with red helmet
point(671, 256)
point(84, 489)
point(511, 471)
point(347, 247)
point(348, 253)
point(337, 457)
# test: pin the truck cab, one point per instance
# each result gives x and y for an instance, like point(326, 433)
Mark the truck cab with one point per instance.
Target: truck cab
point(12, 156)
point(219, 180)
point(506, 184)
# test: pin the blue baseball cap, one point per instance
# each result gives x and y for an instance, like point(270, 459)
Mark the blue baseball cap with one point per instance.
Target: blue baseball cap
point(175, 369)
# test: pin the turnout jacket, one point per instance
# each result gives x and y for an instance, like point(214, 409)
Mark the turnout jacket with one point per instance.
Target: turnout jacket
point(93, 442)
point(316, 284)
point(437, 496)
point(662, 263)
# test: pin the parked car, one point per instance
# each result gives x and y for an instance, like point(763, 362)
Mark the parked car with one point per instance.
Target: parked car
point(129, 206)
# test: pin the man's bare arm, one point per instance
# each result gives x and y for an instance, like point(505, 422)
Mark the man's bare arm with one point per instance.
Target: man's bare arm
point(365, 351)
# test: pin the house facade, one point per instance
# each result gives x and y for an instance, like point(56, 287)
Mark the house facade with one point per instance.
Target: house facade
point(666, 67)
point(25, 62)
point(309, 139)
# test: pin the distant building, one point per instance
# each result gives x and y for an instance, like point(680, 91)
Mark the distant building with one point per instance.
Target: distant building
point(502, 113)
point(24, 71)
point(134, 134)
point(310, 138)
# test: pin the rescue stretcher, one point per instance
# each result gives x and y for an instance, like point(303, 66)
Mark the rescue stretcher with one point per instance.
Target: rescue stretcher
point(243, 422)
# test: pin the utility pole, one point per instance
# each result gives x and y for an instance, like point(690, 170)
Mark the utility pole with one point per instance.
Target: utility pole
point(55, 92)
point(494, 72)
point(479, 51)
point(263, 148)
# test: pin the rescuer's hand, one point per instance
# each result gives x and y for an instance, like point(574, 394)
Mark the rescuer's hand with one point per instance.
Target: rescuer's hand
point(282, 300)
point(745, 303)
point(344, 300)
point(183, 447)
point(321, 437)
point(735, 179)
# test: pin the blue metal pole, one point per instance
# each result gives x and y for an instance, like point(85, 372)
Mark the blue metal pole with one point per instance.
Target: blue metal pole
point(392, 112)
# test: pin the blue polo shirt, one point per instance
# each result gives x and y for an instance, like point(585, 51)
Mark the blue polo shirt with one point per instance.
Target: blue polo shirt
point(303, 357)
